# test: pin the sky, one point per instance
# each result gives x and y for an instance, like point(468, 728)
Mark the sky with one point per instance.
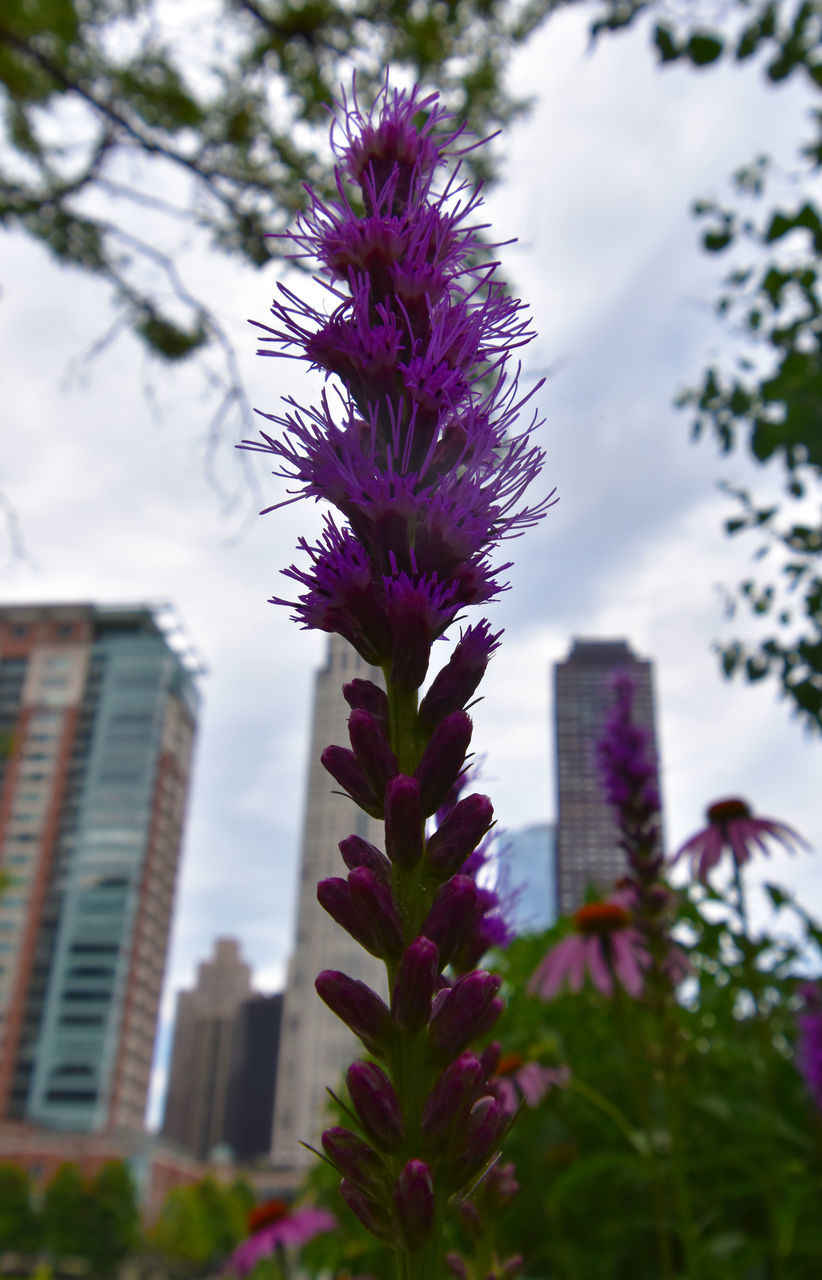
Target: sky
point(105, 464)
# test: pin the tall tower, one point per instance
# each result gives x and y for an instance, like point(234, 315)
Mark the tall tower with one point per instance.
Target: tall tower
point(98, 715)
point(201, 1059)
point(587, 836)
point(315, 1046)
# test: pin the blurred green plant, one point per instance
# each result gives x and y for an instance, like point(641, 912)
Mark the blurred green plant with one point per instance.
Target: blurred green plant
point(94, 1220)
point(199, 1225)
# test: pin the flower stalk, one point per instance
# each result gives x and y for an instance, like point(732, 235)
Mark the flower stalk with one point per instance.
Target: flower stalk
point(417, 454)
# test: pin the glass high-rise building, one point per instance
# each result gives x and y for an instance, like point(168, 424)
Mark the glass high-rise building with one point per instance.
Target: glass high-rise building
point(98, 713)
point(526, 877)
point(587, 837)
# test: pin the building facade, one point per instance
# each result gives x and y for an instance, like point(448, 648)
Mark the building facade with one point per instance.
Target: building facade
point(587, 837)
point(98, 714)
point(253, 1078)
point(201, 1057)
point(527, 877)
point(315, 1046)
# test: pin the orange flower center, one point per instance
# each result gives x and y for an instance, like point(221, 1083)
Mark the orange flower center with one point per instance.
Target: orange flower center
point(601, 917)
point(726, 810)
point(508, 1062)
point(266, 1214)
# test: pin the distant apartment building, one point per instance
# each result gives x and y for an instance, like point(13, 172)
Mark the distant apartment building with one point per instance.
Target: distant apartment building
point(315, 1046)
point(201, 1057)
point(252, 1078)
point(587, 837)
point(527, 877)
point(98, 714)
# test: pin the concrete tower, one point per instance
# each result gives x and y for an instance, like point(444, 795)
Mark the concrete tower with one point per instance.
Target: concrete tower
point(587, 836)
point(315, 1046)
point(97, 720)
point(201, 1059)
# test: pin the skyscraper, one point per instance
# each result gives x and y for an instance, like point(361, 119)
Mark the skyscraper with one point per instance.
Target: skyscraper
point(252, 1079)
point(527, 872)
point(315, 1046)
point(587, 836)
point(201, 1058)
point(98, 714)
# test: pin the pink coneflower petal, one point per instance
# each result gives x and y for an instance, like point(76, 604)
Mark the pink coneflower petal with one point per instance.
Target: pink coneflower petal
point(731, 825)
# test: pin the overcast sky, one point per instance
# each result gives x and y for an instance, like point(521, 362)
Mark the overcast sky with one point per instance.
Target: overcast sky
point(114, 506)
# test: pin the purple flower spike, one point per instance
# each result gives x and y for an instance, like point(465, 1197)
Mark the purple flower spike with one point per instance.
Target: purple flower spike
point(358, 1007)
point(414, 1201)
point(364, 695)
point(459, 834)
point(457, 683)
point(375, 902)
point(372, 749)
point(357, 852)
point(334, 896)
point(451, 915)
point(403, 821)
point(346, 769)
point(415, 985)
point(460, 1010)
point(372, 1216)
point(478, 1138)
point(443, 759)
point(451, 1098)
point(809, 1043)
point(355, 1159)
point(376, 1104)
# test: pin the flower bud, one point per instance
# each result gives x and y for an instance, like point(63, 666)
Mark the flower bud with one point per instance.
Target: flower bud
point(358, 1007)
point(414, 1201)
point(375, 903)
point(415, 985)
point(458, 834)
point(357, 852)
point(372, 749)
point(355, 1159)
point(451, 915)
point(457, 1266)
point(489, 1058)
point(334, 896)
point(512, 1267)
point(478, 1139)
point(371, 1214)
point(347, 770)
point(458, 1012)
point(443, 759)
point(403, 821)
point(364, 695)
point(376, 1104)
point(451, 1098)
point(458, 680)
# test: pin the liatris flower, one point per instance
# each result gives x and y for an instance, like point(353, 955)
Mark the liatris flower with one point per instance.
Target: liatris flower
point(273, 1225)
point(809, 1045)
point(417, 452)
point(630, 779)
point(605, 946)
point(732, 826)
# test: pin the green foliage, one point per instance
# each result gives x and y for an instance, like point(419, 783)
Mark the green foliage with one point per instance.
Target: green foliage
point(227, 127)
point(19, 1226)
point(96, 1221)
point(701, 1123)
point(764, 394)
point(199, 1225)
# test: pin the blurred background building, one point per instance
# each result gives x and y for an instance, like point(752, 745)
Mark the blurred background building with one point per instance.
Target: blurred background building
point(587, 837)
point(220, 1095)
point(316, 1046)
point(527, 877)
point(98, 714)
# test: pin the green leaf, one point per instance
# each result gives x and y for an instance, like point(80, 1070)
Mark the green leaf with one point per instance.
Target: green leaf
point(665, 43)
point(703, 48)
